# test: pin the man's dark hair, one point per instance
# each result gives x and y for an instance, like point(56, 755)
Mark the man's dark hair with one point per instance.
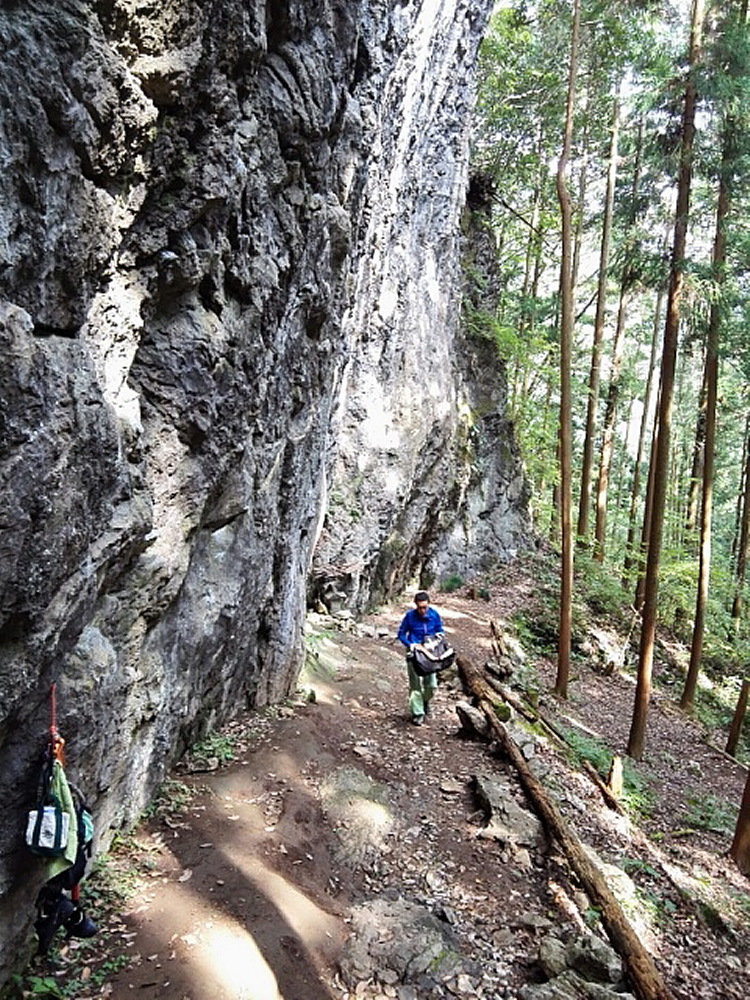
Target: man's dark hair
point(421, 595)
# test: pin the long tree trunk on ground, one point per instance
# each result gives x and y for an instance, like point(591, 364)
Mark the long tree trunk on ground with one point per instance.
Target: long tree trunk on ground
point(648, 983)
point(669, 356)
point(710, 386)
point(566, 347)
point(632, 559)
point(584, 502)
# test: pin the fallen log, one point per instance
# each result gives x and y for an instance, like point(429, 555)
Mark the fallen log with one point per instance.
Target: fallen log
point(538, 717)
point(645, 977)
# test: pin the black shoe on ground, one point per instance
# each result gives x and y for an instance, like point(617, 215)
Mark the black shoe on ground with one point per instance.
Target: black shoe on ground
point(418, 720)
point(79, 925)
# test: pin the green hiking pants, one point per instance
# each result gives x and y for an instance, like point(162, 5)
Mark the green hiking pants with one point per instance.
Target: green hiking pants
point(421, 689)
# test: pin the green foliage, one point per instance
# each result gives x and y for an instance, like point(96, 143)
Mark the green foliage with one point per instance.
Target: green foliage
point(451, 584)
point(635, 866)
point(637, 796)
point(538, 633)
point(660, 907)
point(218, 745)
point(599, 587)
point(707, 812)
point(591, 916)
point(677, 578)
point(172, 797)
point(583, 747)
point(513, 299)
point(36, 986)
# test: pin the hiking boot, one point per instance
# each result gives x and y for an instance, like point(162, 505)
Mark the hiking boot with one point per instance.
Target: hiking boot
point(418, 720)
point(53, 914)
point(79, 925)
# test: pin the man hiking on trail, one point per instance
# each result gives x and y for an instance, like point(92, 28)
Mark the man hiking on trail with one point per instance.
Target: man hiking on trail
point(418, 623)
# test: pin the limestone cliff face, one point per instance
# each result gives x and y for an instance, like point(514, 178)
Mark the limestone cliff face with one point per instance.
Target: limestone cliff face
point(228, 324)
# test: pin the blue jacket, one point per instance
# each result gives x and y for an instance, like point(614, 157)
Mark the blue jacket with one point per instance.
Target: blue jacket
point(414, 627)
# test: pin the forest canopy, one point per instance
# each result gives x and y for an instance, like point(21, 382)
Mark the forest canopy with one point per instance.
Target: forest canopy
point(653, 100)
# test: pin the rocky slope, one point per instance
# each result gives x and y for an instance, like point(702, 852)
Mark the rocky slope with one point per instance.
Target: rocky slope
point(229, 303)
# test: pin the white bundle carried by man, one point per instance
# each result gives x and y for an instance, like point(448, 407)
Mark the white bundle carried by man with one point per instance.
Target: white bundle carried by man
point(433, 655)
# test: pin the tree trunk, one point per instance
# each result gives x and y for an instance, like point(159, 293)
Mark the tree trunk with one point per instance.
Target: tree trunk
point(742, 545)
point(647, 981)
point(579, 214)
point(587, 461)
point(566, 347)
point(710, 385)
point(740, 493)
point(740, 849)
point(608, 433)
point(739, 717)
point(636, 738)
point(640, 588)
point(632, 559)
point(697, 476)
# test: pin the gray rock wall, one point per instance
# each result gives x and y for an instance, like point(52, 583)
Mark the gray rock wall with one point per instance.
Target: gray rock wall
point(228, 305)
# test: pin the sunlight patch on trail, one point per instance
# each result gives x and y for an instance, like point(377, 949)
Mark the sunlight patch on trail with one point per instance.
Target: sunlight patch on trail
point(301, 914)
point(232, 959)
point(223, 957)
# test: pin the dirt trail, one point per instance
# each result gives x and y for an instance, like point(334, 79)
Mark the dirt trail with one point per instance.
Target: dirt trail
point(243, 895)
point(250, 890)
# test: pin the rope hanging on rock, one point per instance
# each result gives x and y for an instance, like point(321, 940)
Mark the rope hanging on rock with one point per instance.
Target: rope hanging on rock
point(56, 741)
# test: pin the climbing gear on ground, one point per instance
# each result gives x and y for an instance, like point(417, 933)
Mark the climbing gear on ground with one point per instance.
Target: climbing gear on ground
point(53, 912)
point(79, 925)
point(57, 910)
point(60, 829)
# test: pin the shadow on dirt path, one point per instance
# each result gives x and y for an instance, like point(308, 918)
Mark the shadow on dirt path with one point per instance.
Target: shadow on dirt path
point(247, 892)
point(307, 867)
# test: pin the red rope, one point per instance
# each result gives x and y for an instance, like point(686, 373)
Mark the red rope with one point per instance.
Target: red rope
point(56, 741)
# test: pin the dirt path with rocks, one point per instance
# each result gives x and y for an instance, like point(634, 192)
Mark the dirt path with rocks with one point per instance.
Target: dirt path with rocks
point(249, 893)
point(342, 854)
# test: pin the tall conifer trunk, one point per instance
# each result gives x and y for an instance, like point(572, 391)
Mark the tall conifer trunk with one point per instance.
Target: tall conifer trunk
point(669, 357)
point(710, 387)
point(743, 543)
point(566, 344)
point(584, 502)
point(633, 557)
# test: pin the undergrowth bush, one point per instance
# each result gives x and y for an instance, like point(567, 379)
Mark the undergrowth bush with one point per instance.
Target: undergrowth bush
point(707, 812)
point(637, 796)
point(600, 588)
point(451, 584)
